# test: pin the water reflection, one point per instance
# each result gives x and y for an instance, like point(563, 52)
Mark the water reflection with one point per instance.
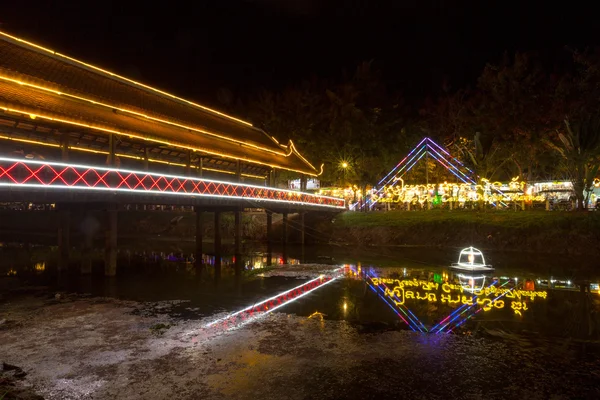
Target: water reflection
point(423, 297)
point(437, 302)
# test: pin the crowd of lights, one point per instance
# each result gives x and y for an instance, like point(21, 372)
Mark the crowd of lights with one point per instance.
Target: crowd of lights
point(486, 191)
point(40, 174)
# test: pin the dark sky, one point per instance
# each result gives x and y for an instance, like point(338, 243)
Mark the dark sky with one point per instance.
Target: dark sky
point(242, 45)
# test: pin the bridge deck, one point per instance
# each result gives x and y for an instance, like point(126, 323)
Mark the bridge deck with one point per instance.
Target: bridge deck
point(41, 181)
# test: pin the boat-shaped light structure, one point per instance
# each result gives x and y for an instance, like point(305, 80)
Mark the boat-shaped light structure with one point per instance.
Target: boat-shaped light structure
point(471, 260)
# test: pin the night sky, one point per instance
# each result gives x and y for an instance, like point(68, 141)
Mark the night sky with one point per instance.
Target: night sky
point(195, 50)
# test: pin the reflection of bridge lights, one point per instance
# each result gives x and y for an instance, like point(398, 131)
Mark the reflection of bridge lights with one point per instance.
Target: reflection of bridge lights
point(271, 304)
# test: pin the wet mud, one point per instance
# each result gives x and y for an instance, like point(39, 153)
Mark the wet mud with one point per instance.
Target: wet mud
point(78, 347)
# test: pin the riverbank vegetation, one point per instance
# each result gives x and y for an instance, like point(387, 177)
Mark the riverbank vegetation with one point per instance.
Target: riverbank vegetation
point(531, 231)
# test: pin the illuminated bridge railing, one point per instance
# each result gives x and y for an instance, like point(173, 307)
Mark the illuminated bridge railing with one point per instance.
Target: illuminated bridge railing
point(51, 175)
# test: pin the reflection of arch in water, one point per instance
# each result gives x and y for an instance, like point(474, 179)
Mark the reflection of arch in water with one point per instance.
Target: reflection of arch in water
point(396, 303)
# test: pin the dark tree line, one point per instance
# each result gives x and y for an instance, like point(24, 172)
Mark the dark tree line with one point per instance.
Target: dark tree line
point(523, 119)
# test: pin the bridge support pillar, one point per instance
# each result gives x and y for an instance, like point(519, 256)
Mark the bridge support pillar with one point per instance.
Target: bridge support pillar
point(86, 246)
point(64, 245)
point(146, 152)
point(217, 247)
point(199, 230)
point(188, 164)
point(284, 230)
point(269, 237)
point(238, 246)
point(302, 234)
point(110, 250)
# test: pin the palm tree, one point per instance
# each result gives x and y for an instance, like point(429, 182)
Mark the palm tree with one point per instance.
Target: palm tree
point(579, 149)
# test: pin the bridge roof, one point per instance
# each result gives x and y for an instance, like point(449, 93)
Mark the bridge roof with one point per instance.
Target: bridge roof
point(41, 83)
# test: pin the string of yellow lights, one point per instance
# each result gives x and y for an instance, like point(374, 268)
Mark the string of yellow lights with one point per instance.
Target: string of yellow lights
point(124, 110)
point(34, 115)
point(153, 160)
point(113, 75)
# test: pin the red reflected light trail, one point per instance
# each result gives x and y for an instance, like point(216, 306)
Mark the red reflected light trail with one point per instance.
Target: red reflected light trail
point(271, 304)
point(51, 175)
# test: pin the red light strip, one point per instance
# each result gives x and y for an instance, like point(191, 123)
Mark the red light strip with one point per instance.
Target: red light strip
point(26, 173)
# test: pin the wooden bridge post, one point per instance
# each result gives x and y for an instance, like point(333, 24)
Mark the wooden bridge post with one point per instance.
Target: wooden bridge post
point(64, 216)
point(302, 234)
point(238, 232)
point(64, 245)
point(146, 161)
point(284, 237)
point(269, 237)
point(111, 150)
point(217, 247)
point(238, 246)
point(199, 261)
point(188, 163)
point(64, 147)
point(86, 245)
point(110, 250)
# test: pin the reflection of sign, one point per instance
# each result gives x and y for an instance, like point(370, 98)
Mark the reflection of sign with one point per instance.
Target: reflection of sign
point(452, 294)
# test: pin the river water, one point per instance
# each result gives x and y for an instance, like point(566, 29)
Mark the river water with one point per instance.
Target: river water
point(391, 323)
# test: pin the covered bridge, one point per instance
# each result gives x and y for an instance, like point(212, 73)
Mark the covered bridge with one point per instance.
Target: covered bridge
point(54, 107)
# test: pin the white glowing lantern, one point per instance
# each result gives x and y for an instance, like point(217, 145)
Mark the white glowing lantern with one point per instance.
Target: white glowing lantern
point(471, 259)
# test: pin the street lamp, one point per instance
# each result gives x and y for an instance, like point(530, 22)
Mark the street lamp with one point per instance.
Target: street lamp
point(344, 165)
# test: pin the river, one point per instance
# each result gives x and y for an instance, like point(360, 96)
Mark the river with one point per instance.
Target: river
point(385, 323)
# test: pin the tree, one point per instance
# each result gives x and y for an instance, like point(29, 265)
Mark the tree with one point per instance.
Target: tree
point(580, 152)
point(578, 140)
point(513, 110)
point(354, 121)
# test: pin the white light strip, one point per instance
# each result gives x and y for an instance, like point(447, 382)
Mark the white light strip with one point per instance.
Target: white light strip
point(140, 192)
point(26, 162)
